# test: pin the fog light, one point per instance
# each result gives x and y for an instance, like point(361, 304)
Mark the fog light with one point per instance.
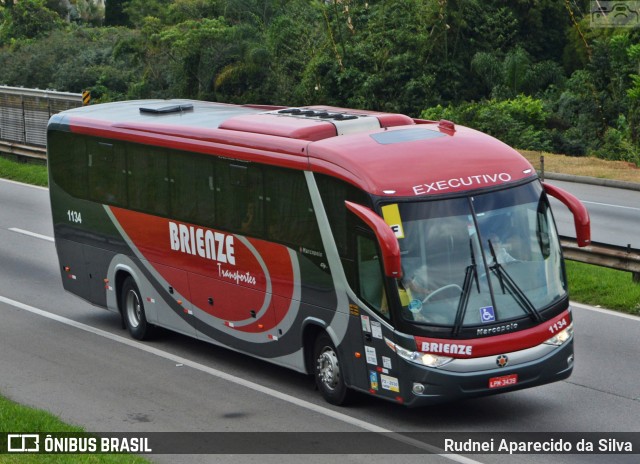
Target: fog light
point(570, 360)
point(418, 388)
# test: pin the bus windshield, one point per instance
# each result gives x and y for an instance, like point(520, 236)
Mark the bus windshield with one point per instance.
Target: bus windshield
point(479, 260)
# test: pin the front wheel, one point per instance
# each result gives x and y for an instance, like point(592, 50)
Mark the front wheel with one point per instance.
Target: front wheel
point(133, 311)
point(327, 371)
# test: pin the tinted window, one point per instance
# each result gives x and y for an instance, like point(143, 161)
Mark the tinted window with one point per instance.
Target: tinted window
point(290, 215)
point(191, 188)
point(68, 162)
point(370, 276)
point(334, 193)
point(148, 179)
point(106, 166)
point(240, 198)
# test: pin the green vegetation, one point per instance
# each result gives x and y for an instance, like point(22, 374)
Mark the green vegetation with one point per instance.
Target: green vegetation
point(600, 286)
point(18, 418)
point(29, 173)
point(536, 74)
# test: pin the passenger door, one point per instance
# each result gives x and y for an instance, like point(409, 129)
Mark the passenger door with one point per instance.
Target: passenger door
point(380, 359)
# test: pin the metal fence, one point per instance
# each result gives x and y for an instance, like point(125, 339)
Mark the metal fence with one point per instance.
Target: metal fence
point(24, 113)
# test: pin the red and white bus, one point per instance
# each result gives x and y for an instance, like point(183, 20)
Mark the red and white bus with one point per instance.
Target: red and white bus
point(414, 260)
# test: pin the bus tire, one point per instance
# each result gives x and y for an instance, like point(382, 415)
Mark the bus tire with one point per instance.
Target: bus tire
point(133, 311)
point(327, 373)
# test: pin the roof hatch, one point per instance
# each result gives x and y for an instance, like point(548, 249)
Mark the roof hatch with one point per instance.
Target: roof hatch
point(312, 123)
point(167, 109)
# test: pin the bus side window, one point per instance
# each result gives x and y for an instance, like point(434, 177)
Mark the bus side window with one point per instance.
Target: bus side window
point(240, 198)
point(106, 169)
point(334, 193)
point(370, 276)
point(191, 188)
point(205, 176)
point(147, 180)
point(68, 164)
point(290, 215)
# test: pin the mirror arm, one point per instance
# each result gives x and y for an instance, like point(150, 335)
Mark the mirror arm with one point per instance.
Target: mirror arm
point(579, 211)
point(386, 238)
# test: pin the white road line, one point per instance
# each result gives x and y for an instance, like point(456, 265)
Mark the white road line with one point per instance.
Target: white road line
point(612, 206)
point(608, 312)
point(23, 184)
point(239, 381)
point(31, 234)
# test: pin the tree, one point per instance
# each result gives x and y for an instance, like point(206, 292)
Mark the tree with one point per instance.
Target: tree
point(28, 19)
point(137, 10)
point(515, 74)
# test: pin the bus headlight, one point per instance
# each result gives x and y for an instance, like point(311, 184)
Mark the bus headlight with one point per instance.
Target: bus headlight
point(417, 357)
point(561, 337)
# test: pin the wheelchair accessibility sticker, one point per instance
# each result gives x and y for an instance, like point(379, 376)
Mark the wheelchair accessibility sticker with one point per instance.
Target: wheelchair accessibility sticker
point(487, 314)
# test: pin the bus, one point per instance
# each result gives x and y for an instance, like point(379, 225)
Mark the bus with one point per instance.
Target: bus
point(414, 260)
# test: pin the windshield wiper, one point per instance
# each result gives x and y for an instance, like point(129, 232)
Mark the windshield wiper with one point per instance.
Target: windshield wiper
point(507, 281)
point(493, 268)
point(470, 274)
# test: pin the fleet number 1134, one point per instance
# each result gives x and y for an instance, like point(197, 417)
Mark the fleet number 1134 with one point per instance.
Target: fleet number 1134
point(74, 216)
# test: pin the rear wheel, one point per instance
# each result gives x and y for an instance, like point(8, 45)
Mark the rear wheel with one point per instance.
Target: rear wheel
point(327, 371)
point(133, 311)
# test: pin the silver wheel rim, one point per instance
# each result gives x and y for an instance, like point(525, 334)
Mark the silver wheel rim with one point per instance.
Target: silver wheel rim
point(134, 309)
point(328, 369)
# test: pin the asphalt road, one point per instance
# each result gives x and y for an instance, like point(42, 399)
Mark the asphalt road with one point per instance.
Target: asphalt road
point(59, 353)
point(615, 213)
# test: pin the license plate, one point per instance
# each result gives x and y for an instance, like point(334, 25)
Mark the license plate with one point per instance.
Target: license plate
point(504, 381)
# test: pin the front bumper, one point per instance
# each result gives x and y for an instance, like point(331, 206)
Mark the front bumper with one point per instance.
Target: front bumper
point(443, 385)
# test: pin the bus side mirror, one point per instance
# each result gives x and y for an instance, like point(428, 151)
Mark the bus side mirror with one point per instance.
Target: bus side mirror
point(386, 238)
point(579, 211)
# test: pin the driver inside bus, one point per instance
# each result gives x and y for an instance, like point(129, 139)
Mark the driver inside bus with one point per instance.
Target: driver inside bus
point(500, 249)
point(413, 289)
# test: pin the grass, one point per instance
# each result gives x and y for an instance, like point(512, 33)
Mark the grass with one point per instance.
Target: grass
point(588, 166)
point(601, 286)
point(15, 418)
point(30, 173)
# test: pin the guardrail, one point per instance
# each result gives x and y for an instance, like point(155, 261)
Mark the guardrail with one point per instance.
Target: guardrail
point(602, 254)
point(24, 114)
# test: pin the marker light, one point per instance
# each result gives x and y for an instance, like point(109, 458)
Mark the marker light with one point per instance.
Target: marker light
point(417, 357)
point(561, 337)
